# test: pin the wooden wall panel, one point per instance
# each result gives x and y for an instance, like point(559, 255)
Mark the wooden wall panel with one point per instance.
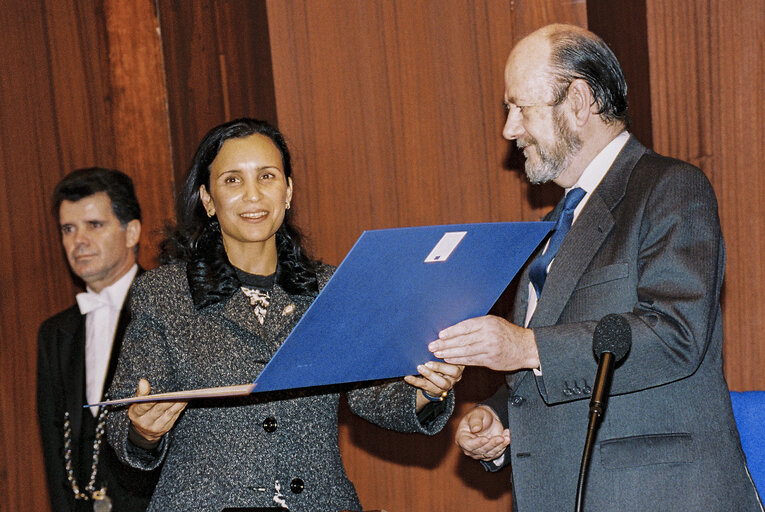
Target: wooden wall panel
point(394, 112)
point(623, 26)
point(81, 85)
point(707, 67)
point(140, 116)
point(218, 67)
point(44, 132)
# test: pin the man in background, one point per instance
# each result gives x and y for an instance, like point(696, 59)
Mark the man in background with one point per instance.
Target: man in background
point(100, 222)
point(638, 235)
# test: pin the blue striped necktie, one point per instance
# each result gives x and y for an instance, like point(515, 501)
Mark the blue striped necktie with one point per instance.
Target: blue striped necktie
point(538, 268)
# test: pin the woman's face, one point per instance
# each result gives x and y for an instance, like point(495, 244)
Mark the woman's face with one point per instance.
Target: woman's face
point(249, 193)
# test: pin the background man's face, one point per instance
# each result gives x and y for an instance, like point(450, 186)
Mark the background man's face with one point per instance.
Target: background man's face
point(99, 249)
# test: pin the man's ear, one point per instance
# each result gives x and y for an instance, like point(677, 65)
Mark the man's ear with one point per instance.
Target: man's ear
point(133, 232)
point(581, 101)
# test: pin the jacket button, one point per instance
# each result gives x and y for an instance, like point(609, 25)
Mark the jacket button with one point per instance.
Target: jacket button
point(269, 424)
point(297, 485)
point(517, 400)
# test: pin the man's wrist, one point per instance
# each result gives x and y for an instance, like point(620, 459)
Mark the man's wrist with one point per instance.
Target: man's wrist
point(532, 359)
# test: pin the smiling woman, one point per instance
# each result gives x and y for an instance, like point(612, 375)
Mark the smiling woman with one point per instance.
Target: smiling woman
point(250, 193)
point(235, 284)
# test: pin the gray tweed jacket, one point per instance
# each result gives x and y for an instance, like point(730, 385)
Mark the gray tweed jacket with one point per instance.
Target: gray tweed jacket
point(258, 451)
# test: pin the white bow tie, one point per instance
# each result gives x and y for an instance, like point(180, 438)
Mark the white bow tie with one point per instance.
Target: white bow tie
point(89, 301)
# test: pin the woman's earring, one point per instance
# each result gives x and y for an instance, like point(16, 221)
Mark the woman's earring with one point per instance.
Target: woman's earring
point(286, 205)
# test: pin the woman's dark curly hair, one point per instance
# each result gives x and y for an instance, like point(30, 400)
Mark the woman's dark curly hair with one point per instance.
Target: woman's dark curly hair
point(196, 238)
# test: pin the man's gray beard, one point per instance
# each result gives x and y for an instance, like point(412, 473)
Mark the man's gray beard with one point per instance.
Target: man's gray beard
point(554, 161)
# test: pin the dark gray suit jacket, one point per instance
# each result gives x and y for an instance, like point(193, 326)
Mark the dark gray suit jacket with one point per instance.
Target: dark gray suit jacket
point(647, 245)
point(61, 388)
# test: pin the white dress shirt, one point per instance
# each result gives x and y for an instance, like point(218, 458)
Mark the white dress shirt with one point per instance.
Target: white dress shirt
point(102, 312)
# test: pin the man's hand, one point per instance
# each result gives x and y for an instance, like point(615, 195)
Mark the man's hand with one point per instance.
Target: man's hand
point(481, 435)
point(152, 420)
point(488, 341)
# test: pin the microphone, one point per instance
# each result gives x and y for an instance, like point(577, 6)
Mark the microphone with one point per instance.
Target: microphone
point(611, 341)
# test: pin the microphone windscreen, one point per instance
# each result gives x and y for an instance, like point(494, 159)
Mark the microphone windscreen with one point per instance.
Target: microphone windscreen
point(612, 334)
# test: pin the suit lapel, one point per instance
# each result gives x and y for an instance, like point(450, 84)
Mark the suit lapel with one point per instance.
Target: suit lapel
point(282, 314)
point(119, 334)
point(586, 236)
point(521, 303)
point(573, 258)
point(72, 368)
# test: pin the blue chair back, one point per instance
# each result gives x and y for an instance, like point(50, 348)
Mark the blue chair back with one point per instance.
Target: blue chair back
point(749, 411)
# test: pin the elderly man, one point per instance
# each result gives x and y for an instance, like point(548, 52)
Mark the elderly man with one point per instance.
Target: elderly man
point(100, 221)
point(638, 235)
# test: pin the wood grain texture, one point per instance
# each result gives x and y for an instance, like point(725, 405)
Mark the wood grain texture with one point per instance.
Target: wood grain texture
point(218, 67)
point(49, 126)
point(707, 67)
point(81, 85)
point(393, 109)
point(623, 26)
point(140, 116)
point(394, 112)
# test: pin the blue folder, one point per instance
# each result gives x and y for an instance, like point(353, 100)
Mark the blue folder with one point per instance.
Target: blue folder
point(392, 294)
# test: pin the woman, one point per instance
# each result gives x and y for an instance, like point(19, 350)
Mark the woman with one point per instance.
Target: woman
point(236, 284)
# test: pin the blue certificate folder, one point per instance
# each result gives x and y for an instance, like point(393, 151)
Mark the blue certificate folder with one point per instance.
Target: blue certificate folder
point(391, 295)
point(387, 301)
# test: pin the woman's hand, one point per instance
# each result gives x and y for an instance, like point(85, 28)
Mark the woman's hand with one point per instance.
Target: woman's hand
point(152, 420)
point(436, 379)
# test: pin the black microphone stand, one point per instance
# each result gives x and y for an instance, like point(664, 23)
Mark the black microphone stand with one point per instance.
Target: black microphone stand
point(597, 406)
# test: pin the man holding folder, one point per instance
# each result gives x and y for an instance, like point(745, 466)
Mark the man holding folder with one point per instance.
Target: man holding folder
point(638, 235)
